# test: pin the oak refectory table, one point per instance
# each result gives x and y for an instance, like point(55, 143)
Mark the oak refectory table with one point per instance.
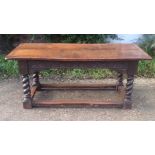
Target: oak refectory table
point(35, 57)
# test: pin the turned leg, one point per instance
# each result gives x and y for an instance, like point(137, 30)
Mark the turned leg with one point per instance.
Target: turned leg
point(27, 103)
point(35, 81)
point(128, 92)
point(119, 81)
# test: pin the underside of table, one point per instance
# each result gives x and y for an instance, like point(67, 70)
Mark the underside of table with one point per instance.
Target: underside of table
point(77, 102)
point(33, 67)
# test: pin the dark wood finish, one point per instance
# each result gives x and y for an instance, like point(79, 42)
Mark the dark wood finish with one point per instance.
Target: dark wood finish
point(35, 57)
point(35, 78)
point(129, 90)
point(78, 52)
point(119, 83)
point(78, 86)
point(27, 100)
point(77, 103)
point(35, 65)
point(33, 91)
point(23, 67)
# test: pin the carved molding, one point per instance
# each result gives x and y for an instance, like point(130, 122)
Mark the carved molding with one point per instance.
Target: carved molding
point(43, 65)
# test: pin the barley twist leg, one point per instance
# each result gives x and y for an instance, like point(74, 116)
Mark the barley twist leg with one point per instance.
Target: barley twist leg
point(119, 81)
point(35, 78)
point(128, 92)
point(27, 104)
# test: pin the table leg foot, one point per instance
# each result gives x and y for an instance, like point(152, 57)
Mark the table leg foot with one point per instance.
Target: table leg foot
point(128, 92)
point(127, 104)
point(27, 104)
point(27, 101)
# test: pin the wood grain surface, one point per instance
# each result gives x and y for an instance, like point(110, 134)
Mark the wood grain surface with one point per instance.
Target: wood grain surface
point(77, 52)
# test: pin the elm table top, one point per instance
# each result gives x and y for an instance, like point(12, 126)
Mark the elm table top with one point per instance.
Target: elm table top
point(77, 52)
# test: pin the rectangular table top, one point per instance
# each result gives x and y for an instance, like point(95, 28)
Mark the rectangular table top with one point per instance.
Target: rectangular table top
point(77, 52)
